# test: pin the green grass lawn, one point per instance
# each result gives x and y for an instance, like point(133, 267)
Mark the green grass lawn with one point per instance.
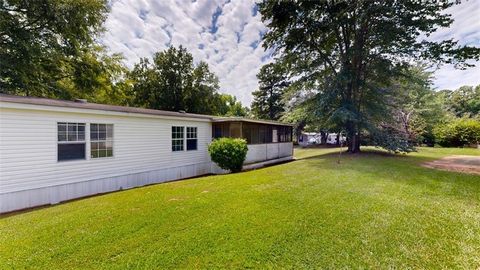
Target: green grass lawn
point(369, 211)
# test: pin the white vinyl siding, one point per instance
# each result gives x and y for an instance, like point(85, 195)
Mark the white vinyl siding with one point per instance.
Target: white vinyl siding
point(28, 147)
point(269, 151)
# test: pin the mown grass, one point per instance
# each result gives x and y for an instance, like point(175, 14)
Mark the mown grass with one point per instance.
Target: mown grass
point(369, 211)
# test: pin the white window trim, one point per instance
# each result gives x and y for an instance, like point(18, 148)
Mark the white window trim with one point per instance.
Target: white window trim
point(90, 142)
point(178, 139)
point(57, 142)
point(184, 138)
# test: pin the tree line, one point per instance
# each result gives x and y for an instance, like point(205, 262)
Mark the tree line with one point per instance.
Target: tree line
point(49, 48)
point(340, 66)
point(347, 66)
point(420, 114)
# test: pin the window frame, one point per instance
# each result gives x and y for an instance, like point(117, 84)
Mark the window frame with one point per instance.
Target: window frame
point(187, 138)
point(182, 139)
point(106, 140)
point(67, 142)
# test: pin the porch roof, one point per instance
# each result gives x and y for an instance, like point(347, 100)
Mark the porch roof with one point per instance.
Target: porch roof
point(247, 120)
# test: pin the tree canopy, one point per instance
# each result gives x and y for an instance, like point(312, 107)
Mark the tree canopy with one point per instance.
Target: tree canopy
point(462, 102)
point(267, 100)
point(349, 52)
point(417, 110)
point(48, 48)
point(173, 82)
point(228, 105)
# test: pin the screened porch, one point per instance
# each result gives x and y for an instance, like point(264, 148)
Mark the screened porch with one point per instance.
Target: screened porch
point(253, 132)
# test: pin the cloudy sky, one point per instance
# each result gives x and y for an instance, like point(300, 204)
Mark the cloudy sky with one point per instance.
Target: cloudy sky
point(227, 35)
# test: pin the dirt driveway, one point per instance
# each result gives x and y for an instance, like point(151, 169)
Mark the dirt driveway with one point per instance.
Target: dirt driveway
point(457, 163)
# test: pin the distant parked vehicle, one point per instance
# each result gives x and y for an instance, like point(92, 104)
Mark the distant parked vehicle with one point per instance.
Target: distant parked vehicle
point(313, 138)
point(332, 138)
point(309, 138)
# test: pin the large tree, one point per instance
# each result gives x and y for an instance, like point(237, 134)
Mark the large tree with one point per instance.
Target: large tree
point(350, 51)
point(173, 82)
point(267, 100)
point(162, 83)
point(48, 48)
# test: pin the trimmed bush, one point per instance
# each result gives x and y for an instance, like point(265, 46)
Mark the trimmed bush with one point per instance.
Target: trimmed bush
point(228, 153)
point(458, 133)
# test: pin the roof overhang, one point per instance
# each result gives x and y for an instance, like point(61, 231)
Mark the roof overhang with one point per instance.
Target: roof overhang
point(247, 120)
point(64, 105)
point(87, 107)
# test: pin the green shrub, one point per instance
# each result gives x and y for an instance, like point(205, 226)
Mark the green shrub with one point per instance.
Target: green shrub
point(460, 132)
point(228, 153)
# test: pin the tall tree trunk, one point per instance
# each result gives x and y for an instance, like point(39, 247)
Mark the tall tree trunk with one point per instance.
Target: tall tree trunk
point(356, 147)
point(324, 136)
point(354, 144)
point(298, 130)
point(353, 138)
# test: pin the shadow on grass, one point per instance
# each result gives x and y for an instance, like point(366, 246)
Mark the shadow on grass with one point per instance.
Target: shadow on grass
point(379, 165)
point(101, 194)
point(342, 153)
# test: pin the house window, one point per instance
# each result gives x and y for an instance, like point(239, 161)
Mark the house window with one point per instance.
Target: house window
point(71, 141)
point(101, 140)
point(177, 138)
point(192, 138)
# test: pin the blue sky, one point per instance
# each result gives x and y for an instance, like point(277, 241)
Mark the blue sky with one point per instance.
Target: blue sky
point(227, 35)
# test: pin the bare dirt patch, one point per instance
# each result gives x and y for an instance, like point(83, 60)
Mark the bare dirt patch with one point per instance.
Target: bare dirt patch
point(457, 163)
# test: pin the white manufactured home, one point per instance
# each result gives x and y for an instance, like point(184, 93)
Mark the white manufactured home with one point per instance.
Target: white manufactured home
point(54, 150)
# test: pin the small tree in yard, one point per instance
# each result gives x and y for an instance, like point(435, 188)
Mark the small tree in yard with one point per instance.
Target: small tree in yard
point(228, 153)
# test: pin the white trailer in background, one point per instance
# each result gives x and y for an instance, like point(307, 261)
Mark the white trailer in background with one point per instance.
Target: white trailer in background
point(309, 138)
point(332, 138)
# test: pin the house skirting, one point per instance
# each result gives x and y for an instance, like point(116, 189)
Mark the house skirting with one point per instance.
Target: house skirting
point(252, 166)
point(266, 163)
point(24, 199)
point(17, 200)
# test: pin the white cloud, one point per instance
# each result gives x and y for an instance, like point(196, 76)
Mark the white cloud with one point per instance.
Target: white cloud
point(448, 77)
point(466, 30)
point(220, 33)
point(227, 35)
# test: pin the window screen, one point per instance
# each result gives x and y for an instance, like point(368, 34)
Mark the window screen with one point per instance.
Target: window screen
point(221, 130)
point(71, 141)
point(192, 138)
point(284, 134)
point(177, 138)
point(101, 140)
point(255, 133)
